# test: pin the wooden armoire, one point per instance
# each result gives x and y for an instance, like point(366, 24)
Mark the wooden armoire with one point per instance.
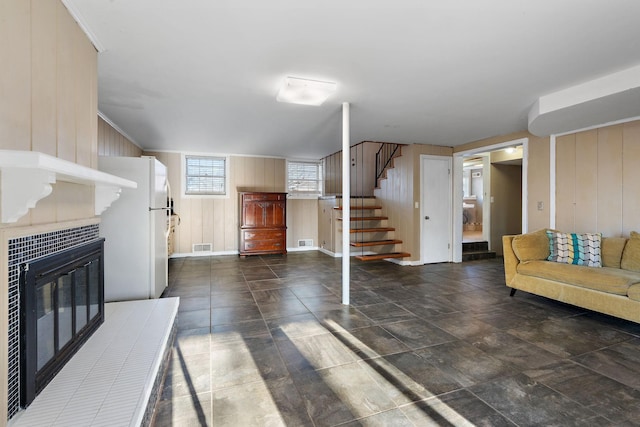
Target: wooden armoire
point(263, 223)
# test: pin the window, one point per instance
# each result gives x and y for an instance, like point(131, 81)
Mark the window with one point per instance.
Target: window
point(304, 179)
point(205, 175)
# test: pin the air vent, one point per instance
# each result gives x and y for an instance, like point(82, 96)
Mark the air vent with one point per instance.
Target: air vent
point(305, 243)
point(202, 247)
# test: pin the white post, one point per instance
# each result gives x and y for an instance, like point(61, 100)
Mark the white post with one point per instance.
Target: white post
point(552, 181)
point(346, 204)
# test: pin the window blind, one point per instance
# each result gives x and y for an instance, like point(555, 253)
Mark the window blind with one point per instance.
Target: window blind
point(205, 175)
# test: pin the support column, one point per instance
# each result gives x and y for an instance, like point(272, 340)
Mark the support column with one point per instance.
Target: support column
point(346, 204)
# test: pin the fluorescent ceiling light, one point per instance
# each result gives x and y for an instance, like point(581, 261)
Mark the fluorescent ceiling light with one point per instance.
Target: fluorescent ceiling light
point(307, 92)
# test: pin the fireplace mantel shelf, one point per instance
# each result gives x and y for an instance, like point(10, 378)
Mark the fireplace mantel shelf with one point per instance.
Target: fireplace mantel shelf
point(27, 177)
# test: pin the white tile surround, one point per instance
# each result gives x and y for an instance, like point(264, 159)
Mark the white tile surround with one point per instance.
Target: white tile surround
point(22, 245)
point(108, 382)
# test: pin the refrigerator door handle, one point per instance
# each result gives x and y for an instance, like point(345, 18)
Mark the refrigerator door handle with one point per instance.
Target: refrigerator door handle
point(169, 198)
point(169, 208)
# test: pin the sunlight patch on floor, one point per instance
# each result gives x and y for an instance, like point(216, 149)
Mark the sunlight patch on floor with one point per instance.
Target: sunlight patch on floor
point(387, 386)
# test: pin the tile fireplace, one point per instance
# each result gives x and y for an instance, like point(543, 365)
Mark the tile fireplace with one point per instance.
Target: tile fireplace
point(25, 249)
point(61, 305)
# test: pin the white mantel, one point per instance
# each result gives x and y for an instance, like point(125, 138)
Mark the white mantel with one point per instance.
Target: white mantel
point(27, 177)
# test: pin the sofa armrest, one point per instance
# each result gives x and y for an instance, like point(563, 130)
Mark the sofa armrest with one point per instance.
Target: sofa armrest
point(511, 261)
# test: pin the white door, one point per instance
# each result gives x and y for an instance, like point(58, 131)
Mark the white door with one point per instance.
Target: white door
point(435, 209)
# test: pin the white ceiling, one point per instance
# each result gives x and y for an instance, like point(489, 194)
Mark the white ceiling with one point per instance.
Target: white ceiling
point(202, 75)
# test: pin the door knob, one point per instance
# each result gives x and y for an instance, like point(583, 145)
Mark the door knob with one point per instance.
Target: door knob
point(426, 217)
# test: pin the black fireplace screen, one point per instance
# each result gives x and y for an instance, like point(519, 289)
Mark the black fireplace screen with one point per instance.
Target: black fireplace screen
point(62, 304)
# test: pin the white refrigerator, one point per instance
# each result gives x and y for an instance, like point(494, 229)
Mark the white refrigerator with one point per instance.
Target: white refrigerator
point(135, 228)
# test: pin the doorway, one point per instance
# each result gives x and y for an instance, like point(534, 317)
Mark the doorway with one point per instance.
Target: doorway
point(435, 209)
point(502, 170)
point(473, 199)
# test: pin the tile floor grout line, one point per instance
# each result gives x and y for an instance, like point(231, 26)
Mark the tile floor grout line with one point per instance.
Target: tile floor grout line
point(483, 296)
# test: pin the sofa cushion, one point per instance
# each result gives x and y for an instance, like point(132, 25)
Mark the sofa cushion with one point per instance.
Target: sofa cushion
point(531, 246)
point(611, 249)
point(574, 248)
point(634, 292)
point(610, 280)
point(631, 253)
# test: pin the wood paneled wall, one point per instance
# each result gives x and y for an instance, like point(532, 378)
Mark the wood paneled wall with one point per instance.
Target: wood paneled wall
point(48, 81)
point(598, 180)
point(538, 183)
point(326, 231)
point(215, 220)
point(332, 173)
point(302, 221)
point(395, 194)
point(48, 103)
point(362, 173)
point(112, 143)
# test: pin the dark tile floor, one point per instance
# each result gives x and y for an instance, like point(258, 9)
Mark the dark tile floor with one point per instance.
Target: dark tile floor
point(265, 341)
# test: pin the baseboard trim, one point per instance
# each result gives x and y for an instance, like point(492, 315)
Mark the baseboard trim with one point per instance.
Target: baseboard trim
point(303, 249)
point(310, 248)
point(201, 254)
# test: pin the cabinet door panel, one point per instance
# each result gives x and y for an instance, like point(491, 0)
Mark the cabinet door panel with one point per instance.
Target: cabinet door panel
point(277, 214)
point(263, 223)
point(252, 215)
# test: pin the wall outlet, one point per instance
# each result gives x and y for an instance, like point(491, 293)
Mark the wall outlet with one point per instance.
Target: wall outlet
point(540, 206)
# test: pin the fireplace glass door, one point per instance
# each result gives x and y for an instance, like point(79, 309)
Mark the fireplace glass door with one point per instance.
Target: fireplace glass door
point(63, 310)
point(62, 297)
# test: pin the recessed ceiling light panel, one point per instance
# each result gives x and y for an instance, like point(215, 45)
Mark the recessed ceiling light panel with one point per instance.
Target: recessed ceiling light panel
point(303, 91)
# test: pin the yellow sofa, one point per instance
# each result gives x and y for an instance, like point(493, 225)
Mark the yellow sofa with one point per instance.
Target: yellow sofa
point(613, 289)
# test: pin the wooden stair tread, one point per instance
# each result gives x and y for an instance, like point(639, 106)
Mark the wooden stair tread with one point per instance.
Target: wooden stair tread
point(371, 230)
point(358, 208)
point(375, 257)
point(376, 243)
point(366, 218)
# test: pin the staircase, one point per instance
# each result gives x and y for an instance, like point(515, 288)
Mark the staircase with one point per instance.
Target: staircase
point(472, 251)
point(384, 159)
point(369, 231)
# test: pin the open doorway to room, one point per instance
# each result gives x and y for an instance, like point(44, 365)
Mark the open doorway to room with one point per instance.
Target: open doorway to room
point(472, 199)
point(491, 183)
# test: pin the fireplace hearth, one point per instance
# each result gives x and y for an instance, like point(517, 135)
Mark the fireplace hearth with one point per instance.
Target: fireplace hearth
point(61, 305)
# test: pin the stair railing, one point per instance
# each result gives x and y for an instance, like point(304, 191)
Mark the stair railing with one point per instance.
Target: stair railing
point(385, 154)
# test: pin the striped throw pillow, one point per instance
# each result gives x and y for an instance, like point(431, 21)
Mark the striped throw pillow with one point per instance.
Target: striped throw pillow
point(574, 248)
